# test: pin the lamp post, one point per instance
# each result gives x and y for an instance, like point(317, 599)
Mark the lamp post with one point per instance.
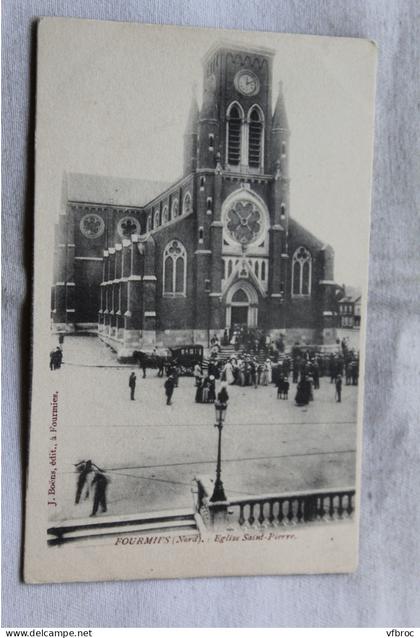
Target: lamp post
point(219, 492)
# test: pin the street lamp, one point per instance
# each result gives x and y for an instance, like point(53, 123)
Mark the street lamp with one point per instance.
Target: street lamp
point(219, 492)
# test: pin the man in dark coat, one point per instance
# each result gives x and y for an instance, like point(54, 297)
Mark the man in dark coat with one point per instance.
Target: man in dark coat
point(132, 385)
point(338, 384)
point(143, 365)
point(315, 374)
point(58, 357)
point(84, 468)
point(100, 484)
point(199, 390)
point(223, 396)
point(169, 388)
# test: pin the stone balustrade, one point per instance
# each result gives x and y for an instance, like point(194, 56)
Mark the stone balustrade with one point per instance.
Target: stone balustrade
point(270, 510)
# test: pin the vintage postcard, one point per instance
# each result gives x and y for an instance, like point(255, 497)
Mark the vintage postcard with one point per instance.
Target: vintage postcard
point(201, 251)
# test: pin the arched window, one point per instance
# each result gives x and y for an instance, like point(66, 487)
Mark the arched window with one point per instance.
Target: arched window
point(149, 223)
point(234, 133)
point(200, 235)
point(202, 182)
point(174, 209)
point(301, 272)
point(255, 140)
point(263, 271)
point(175, 269)
point(187, 206)
point(156, 219)
point(165, 215)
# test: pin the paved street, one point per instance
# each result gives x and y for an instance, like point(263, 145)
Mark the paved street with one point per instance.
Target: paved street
point(152, 451)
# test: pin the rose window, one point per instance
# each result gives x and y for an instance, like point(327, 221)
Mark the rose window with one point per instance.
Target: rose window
point(92, 226)
point(128, 226)
point(243, 222)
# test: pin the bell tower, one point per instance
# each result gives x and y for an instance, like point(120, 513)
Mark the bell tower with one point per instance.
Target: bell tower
point(236, 114)
point(234, 168)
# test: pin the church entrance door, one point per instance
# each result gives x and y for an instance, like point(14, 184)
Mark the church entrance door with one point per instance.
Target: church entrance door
point(241, 306)
point(239, 316)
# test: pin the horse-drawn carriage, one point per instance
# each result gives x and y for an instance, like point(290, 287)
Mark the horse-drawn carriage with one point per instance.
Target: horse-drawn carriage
point(183, 358)
point(186, 357)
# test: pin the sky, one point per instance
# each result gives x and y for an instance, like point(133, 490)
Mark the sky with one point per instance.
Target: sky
point(113, 99)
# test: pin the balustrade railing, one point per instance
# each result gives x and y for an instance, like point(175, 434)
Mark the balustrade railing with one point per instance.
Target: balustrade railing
point(287, 509)
point(270, 510)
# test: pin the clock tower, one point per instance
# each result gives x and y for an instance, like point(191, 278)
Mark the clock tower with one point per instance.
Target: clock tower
point(236, 79)
point(240, 201)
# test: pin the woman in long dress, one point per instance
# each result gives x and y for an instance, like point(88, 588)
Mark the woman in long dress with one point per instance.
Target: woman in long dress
point(269, 371)
point(228, 373)
point(199, 391)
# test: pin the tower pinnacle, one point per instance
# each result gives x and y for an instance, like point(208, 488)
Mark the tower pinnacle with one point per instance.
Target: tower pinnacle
point(280, 116)
point(192, 121)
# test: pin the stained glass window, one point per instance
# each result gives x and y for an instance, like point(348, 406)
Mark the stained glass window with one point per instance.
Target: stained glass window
point(301, 272)
point(128, 226)
point(156, 219)
point(92, 226)
point(174, 269)
point(187, 208)
point(243, 222)
point(174, 209)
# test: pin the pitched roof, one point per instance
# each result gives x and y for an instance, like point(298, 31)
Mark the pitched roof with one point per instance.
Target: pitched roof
point(102, 189)
point(304, 236)
point(353, 292)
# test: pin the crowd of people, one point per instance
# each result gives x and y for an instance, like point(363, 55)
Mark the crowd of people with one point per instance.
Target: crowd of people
point(252, 340)
point(305, 366)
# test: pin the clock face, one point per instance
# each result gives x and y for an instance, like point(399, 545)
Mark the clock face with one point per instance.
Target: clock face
point(246, 82)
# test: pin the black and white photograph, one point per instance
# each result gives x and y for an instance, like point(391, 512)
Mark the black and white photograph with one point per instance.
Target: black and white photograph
point(201, 256)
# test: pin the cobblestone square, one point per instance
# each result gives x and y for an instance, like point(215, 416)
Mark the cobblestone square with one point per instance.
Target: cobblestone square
point(152, 451)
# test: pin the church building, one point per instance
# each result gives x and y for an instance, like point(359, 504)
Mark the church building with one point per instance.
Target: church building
point(147, 263)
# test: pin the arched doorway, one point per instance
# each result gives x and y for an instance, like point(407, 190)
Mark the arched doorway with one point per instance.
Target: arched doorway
point(242, 305)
